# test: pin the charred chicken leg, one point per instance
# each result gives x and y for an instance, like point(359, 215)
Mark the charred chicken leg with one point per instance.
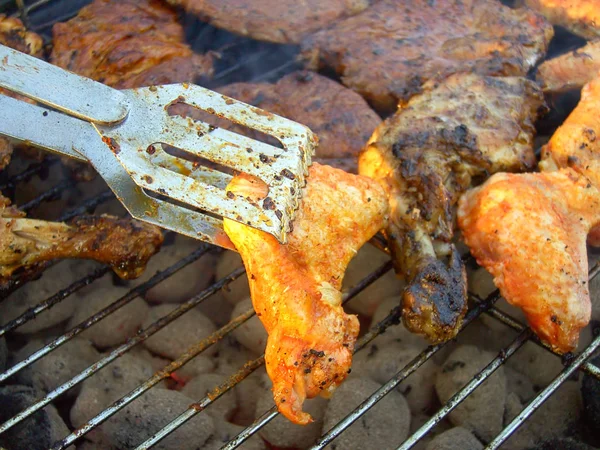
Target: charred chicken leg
point(542, 269)
point(295, 288)
point(425, 156)
point(125, 245)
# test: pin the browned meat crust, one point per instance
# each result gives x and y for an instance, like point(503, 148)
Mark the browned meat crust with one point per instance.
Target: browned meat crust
point(127, 44)
point(426, 156)
point(581, 17)
point(389, 50)
point(25, 244)
point(571, 70)
point(341, 118)
point(14, 34)
point(281, 21)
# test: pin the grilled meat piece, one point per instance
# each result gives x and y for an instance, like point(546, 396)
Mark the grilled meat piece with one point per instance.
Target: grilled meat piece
point(425, 157)
point(581, 17)
point(340, 117)
point(389, 50)
point(571, 70)
point(295, 288)
point(25, 244)
point(14, 34)
point(529, 231)
point(127, 44)
point(280, 21)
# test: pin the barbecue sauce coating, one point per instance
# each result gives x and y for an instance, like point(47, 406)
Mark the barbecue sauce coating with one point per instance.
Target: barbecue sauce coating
point(425, 156)
point(295, 288)
point(125, 245)
point(389, 50)
point(128, 44)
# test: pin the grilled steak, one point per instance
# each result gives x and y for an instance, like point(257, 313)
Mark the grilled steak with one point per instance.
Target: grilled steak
point(389, 50)
point(281, 21)
point(426, 156)
point(342, 120)
point(581, 17)
point(126, 44)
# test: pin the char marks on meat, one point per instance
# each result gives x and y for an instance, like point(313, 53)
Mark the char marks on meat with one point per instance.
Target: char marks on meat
point(581, 17)
point(281, 21)
point(389, 50)
point(425, 157)
point(128, 44)
point(125, 245)
point(341, 119)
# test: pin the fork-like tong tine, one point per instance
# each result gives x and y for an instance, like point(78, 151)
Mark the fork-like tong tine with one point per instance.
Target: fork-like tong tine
point(123, 134)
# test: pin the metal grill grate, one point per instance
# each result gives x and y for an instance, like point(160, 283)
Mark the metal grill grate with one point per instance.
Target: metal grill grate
point(33, 15)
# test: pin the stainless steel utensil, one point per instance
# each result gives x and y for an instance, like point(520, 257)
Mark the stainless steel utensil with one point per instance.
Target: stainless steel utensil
point(124, 135)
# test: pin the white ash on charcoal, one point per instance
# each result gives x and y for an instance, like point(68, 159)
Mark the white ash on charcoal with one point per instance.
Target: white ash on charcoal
point(200, 364)
point(231, 356)
point(366, 260)
point(174, 339)
point(418, 420)
point(281, 433)
point(457, 438)
point(381, 363)
point(251, 334)
point(398, 332)
point(197, 388)
point(147, 414)
point(386, 424)
point(519, 384)
point(237, 290)
point(225, 431)
point(555, 418)
point(185, 283)
point(537, 363)
point(590, 390)
point(217, 308)
point(248, 392)
point(89, 445)
point(562, 444)
point(57, 367)
point(53, 280)
point(477, 333)
point(107, 386)
point(117, 327)
point(37, 432)
point(155, 362)
point(482, 411)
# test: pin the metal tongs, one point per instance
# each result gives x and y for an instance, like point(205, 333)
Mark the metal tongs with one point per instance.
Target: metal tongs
point(123, 135)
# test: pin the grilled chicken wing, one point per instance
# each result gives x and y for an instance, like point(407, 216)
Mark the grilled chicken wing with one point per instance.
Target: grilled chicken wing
point(127, 44)
point(529, 231)
point(125, 245)
point(389, 50)
point(425, 157)
point(340, 117)
point(14, 34)
point(581, 17)
point(295, 288)
point(571, 70)
point(281, 21)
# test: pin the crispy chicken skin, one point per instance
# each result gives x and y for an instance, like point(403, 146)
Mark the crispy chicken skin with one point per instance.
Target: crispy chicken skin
point(280, 21)
point(425, 157)
point(529, 231)
point(125, 245)
point(127, 44)
point(14, 34)
point(340, 117)
point(581, 17)
point(295, 288)
point(389, 50)
point(571, 70)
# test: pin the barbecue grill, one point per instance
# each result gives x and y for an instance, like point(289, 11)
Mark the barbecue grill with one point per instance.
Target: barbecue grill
point(241, 60)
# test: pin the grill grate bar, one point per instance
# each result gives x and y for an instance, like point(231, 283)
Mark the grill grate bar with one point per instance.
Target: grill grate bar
point(245, 434)
point(467, 389)
point(243, 372)
point(51, 194)
point(135, 292)
point(543, 396)
point(34, 311)
point(26, 174)
point(166, 371)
